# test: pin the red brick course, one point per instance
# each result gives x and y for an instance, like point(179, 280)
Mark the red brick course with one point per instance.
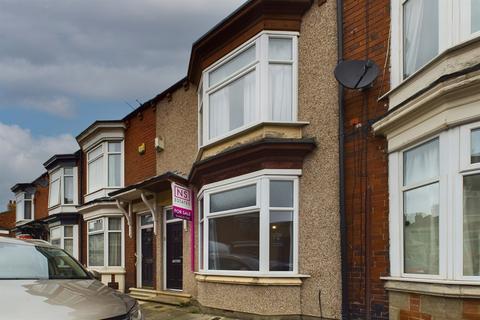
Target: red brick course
point(366, 27)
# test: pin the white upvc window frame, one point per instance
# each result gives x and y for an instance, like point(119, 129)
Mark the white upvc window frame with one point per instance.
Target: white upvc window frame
point(104, 155)
point(59, 175)
point(261, 68)
point(63, 237)
point(262, 180)
point(105, 231)
point(20, 200)
point(455, 164)
point(454, 28)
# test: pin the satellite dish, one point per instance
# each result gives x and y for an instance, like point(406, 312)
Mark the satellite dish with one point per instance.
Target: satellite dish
point(356, 74)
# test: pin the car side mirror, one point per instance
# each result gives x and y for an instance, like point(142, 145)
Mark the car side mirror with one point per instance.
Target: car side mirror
point(96, 275)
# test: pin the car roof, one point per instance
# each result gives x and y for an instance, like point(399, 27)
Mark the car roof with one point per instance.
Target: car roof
point(27, 242)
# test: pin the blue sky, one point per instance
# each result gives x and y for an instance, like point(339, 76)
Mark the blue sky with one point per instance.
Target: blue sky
point(65, 64)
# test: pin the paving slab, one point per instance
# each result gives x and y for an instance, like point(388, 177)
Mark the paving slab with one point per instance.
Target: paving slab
point(156, 311)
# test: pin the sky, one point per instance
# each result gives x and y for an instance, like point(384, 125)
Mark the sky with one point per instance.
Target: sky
point(67, 63)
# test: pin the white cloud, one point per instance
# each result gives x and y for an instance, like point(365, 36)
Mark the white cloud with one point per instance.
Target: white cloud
point(22, 156)
point(59, 106)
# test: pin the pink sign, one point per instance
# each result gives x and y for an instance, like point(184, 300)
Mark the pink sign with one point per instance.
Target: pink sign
point(182, 203)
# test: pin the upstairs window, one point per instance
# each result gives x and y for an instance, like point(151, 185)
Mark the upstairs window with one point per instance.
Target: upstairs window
point(105, 167)
point(420, 34)
point(62, 187)
point(24, 207)
point(255, 83)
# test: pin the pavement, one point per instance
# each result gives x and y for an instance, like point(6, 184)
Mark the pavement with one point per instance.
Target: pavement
point(156, 311)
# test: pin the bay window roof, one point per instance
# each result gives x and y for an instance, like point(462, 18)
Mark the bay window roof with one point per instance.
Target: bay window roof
point(247, 21)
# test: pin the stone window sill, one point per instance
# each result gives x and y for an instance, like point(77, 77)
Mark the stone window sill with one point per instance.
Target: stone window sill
point(295, 280)
point(441, 289)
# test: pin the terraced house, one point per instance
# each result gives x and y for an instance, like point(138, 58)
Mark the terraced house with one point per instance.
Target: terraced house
point(249, 140)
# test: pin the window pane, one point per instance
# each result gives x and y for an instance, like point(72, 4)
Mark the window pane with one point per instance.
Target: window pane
point(114, 224)
point(57, 243)
point(280, 91)
point(114, 147)
point(114, 249)
point(68, 231)
point(68, 171)
point(170, 215)
point(54, 198)
point(96, 225)
point(95, 153)
point(475, 18)
point(234, 199)
point(234, 242)
point(68, 245)
point(201, 246)
point(280, 49)
point(114, 170)
point(233, 106)
point(95, 175)
point(421, 163)
point(146, 220)
point(27, 196)
point(421, 233)
point(95, 249)
point(475, 145)
point(55, 233)
point(281, 194)
point(68, 190)
point(229, 68)
point(200, 209)
point(28, 209)
point(420, 18)
point(471, 225)
point(281, 241)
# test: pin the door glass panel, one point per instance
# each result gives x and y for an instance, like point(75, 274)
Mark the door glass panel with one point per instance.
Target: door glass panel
point(421, 163)
point(475, 145)
point(146, 220)
point(471, 225)
point(234, 199)
point(234, 242)
point(281, 241)
point(421, 231)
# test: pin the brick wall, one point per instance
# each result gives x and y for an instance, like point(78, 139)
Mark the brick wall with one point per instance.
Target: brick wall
point(41, 201)
point(7, 218)
point(366, 27)
point(130, 259)
point(140, 130)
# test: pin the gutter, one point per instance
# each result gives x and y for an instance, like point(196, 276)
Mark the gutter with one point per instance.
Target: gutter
point(341, 142)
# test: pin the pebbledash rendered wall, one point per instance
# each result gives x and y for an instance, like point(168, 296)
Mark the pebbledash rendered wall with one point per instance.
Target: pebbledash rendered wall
point(319, 230)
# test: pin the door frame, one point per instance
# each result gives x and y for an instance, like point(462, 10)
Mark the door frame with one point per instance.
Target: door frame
point(138, 255)
point(164, 244)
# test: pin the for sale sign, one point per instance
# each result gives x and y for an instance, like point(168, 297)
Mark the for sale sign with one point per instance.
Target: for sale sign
point(182, 202)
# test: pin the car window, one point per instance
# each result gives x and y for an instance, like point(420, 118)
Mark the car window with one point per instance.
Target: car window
point(37, 262)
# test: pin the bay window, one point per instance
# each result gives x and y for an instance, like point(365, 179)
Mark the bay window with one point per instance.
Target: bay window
point(65, 237)
point(24, 208)
point(249, 225)
point(435, 207)
point(62, 187)
point(256, 83)
point(422, 29)
point(105, 242)
point(105, 166)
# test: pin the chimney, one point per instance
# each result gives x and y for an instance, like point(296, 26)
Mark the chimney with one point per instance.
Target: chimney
point(11, 205)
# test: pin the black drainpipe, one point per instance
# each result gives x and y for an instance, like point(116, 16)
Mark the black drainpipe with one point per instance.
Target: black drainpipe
point(341, 136)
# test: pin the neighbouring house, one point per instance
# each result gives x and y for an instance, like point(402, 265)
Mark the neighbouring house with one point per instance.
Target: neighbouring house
point(412, 188)
point(7, 220)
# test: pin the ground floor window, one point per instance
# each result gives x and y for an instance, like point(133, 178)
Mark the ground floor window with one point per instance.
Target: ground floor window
point(249, 224)
point(65, 237)
point(105, 242)
point(435, 207)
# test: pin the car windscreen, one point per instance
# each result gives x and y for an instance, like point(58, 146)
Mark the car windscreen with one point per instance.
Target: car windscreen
point(37, 262)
